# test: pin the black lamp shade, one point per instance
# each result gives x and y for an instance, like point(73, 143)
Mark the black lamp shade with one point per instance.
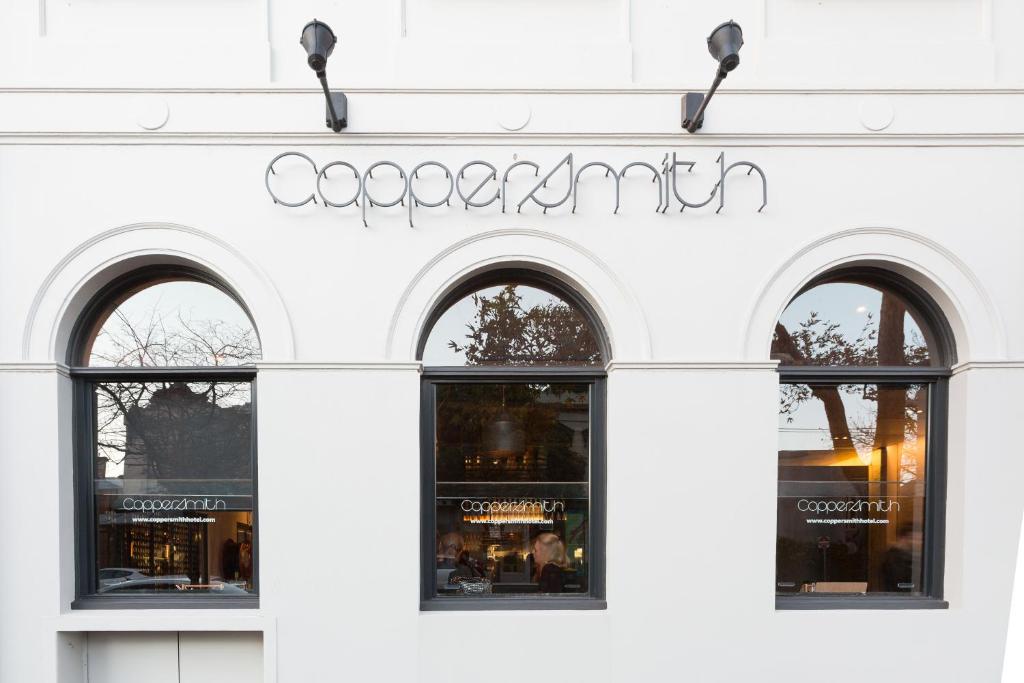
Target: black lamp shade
point(503, 437)
point(724, 44)
point(319, 40)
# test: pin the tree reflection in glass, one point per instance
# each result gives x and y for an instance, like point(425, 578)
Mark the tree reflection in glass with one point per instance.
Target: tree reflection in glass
point(851, 507)
point(512, 458)
point(175, 506)
point(173, 456)
point(177, 323)
point(864, 326)
point(512, 325)
point(851, 455)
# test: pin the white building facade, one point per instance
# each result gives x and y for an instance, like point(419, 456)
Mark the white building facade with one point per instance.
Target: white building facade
point(136, 138)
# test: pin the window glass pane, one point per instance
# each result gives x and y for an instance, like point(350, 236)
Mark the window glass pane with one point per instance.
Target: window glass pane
point(848, 323)
point(513, 491)
point(173, 488)
point(513, 325)
point(174, 323)
point(851, 499)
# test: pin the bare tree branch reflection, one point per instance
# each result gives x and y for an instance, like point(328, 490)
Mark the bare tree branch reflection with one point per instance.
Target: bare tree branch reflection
point(128, 413)
point(818, 342)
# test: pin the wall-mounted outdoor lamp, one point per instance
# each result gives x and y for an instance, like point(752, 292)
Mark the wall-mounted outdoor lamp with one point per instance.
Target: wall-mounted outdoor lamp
point(724, 44)
point(319, 41)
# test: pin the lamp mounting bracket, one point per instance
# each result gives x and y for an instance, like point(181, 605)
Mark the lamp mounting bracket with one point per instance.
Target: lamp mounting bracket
point(691, 105)
point(339, 103)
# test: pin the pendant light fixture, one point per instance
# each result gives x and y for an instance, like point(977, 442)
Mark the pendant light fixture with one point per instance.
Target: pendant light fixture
point(503, 437)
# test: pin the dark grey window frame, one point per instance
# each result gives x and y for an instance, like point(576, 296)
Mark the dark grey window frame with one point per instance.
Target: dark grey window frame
point(594, 376)
point(83, 417)
point(941, 344)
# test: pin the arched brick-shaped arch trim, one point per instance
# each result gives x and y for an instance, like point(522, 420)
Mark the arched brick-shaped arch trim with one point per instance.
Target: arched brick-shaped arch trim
point(615, 307)
point(102, 259)
point(970, 313)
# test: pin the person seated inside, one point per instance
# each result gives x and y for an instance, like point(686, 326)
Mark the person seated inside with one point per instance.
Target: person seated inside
point(449, 547)
point(549, 563)
point(454, 563)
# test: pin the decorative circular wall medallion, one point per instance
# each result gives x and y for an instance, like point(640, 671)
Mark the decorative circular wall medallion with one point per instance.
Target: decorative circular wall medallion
point(152, 113)
point(513, 113)
point(876, 113)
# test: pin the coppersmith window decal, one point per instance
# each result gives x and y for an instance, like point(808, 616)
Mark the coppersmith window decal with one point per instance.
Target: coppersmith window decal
point(163, 363)
point(513, 449)
point(864, 359)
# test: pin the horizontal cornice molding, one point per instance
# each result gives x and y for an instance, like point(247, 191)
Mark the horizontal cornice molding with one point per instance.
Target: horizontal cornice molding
point(717, 365)
point(30, 367)
point(406, 366)
point(613, 117)
point(637, 141)
point(988, 365)
point(664, 90)
point(329, 366)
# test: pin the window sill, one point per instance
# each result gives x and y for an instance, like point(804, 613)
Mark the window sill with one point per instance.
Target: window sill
point(505, 604)
point(83, 621)
point(833, 602)
point(132, 602)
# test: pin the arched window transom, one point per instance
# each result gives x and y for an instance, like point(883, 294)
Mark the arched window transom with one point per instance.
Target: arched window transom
point(512, 325)
point(172, 323)
point(852, 323)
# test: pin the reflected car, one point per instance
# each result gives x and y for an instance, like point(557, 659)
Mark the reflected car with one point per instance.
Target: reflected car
point(146, 584)
point(111, 575)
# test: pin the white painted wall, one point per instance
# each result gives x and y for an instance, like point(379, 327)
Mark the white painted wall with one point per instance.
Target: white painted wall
point(570, 43)
point(1013, 665)
point(689, 301)
point(169, 657)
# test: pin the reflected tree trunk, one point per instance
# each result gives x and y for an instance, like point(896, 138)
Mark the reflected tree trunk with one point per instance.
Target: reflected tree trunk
point(890, 424)
point(881, 343)
point(835, 411)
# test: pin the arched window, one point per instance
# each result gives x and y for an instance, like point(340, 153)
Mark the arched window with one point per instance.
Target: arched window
point(163, 364)
point(864, 358)
point(513, 447)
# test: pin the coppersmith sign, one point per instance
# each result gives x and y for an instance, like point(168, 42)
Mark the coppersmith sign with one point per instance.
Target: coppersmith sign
point(477, 184)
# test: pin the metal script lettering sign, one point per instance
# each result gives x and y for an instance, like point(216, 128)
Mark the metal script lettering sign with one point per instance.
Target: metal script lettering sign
point(475, 195)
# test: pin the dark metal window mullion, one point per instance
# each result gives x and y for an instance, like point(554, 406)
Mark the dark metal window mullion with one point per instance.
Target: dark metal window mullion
point(86, 533)
point(253, 451)
point(183, 374)
point(936, 471)
point(865, 375)
point(428, 491)
point(526, 375)
point(597, 505)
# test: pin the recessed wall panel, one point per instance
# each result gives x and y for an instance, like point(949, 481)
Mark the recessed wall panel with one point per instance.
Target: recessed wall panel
point(221, 657)
point(122, 657)
point(875, 20)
